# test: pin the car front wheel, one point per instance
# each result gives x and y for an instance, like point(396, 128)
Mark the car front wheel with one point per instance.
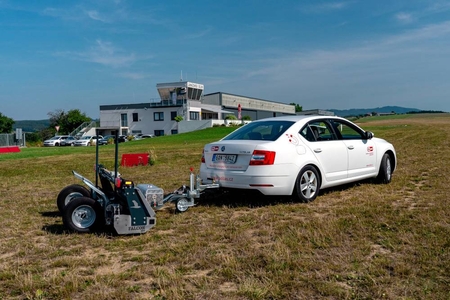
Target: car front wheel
point(307, 184)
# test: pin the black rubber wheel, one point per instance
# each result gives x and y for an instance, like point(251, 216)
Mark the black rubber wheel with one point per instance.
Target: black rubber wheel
point(385, 173)
point(181, 205)
point(307, 185)
point(82, 215)
point(69, 193)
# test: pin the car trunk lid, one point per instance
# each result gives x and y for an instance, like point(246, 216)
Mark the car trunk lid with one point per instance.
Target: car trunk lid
point(234, 155)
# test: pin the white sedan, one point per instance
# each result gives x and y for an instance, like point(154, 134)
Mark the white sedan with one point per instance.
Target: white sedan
point(87, 140)
point(297, 155)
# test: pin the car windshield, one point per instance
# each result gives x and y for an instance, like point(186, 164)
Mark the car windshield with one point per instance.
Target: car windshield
point(264, 130)
point(85, 138)
point(55, 138)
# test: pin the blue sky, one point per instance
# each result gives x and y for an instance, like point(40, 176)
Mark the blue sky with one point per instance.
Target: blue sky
point(320, 54)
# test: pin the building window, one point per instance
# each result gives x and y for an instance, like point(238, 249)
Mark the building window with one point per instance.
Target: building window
point(174, 131)
point(194, 115)
point(123, 120)
point(159, 132)
point(135, 117)
point(158, 116)
point(173, 114)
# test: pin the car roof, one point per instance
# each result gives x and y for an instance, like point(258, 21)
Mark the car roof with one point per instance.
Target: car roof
point(296, 118)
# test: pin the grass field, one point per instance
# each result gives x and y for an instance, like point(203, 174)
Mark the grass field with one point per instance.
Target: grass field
point(361, 241)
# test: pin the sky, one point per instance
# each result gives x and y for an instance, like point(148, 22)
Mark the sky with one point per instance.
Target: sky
point(64, 55)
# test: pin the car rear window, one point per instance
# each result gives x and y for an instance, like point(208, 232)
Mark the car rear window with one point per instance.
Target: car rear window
point(265, 130)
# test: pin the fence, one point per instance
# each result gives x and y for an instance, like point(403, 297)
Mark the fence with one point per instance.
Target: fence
point(10, 140)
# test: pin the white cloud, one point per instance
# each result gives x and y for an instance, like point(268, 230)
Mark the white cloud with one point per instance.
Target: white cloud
point(94, 15)
point(132, 75)
point(199, 34)
point(104, 53)
point(325, 7)
point(404, 18)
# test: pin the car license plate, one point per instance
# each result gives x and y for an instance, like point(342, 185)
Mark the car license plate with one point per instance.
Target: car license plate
point(225, 158)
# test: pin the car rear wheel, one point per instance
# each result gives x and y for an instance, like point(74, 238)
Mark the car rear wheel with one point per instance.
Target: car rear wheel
point(307, 184)
point(385, 173)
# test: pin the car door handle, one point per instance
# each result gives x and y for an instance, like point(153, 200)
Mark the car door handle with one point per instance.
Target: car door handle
point(317, 150)
point(350, 147)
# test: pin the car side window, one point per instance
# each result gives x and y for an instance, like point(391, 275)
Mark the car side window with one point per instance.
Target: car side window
point(318, 131)
point(347, 131)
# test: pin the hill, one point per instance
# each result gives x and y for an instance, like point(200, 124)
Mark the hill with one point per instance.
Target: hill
point(31, 125)
point(363, 111)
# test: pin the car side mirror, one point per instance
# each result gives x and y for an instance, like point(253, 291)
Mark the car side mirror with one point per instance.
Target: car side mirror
point(368, 135)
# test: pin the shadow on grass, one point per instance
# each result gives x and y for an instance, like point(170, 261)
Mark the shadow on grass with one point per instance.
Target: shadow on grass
point(51, 214)
point(253, 199)
point(60, 229)
point(241, 198)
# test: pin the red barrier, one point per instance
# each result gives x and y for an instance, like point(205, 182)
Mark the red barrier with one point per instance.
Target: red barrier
point(135, 159)
point(9, 149)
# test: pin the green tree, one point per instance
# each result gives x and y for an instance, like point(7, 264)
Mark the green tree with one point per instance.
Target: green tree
point(298, 108)
point(67, 122)
point(6, 124)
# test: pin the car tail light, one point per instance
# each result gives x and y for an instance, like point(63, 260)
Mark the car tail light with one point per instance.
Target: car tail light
point(262, 157)
point(203, 156)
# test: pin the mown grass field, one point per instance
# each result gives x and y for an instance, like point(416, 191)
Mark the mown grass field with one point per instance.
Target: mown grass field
point(362, 241)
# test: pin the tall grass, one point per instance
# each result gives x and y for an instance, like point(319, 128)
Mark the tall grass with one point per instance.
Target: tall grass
point(361, 241)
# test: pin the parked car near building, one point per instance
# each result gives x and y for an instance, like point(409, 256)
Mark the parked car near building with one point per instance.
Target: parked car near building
point(123, 138)
point(298, 156)
point(88, 140)
point(55, 141)
point(69, 141)
point(140, 136)
point(107, 138)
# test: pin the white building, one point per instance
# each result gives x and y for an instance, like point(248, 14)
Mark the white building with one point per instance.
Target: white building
point(184, 99)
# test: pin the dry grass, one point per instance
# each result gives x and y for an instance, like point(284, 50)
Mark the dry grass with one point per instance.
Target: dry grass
point(362, 241)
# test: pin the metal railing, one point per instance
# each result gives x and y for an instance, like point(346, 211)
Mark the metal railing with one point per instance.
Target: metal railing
point(85, 127)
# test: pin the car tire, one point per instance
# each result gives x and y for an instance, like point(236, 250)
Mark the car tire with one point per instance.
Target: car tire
point(385, 173)
point(69, 193)
point(82, 215)
point(307, 184)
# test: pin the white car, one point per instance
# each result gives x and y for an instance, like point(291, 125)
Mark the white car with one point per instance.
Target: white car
point(87, 140)
point(297, 155)
point(55, 141)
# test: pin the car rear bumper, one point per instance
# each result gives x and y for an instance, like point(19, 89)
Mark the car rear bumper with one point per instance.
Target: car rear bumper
point(273, 180)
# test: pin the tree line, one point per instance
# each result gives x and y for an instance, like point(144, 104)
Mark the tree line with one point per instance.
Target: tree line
point(61, 122)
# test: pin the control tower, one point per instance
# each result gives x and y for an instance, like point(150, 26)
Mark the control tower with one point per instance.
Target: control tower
point(176, 93)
